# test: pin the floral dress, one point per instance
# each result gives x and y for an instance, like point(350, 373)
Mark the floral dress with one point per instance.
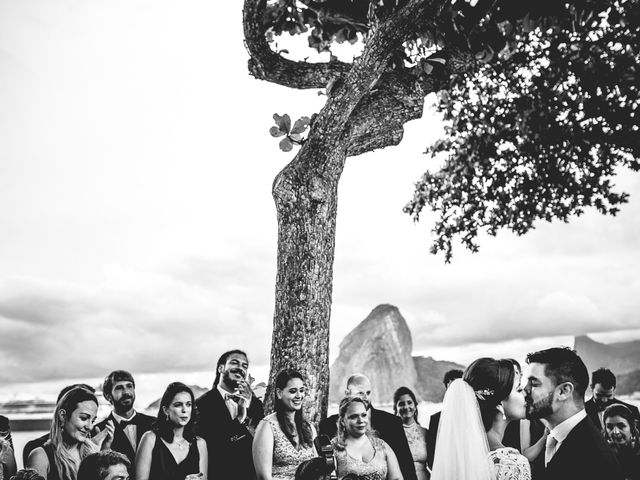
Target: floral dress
point(417, 439)
point(374, 469)
point(286, 457)
point(510, 464)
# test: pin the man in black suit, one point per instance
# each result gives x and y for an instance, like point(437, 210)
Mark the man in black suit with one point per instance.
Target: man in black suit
point(229, 414)
point(388, 426)
point(128, 426)
point(603, 386)
point(554, 392)
point(434, 420)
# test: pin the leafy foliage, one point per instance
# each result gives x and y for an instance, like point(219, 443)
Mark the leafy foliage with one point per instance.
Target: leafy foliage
point(539, 134)
point(292, 136)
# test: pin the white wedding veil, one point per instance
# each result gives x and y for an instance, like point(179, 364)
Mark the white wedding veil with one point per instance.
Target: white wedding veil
point(462, 449)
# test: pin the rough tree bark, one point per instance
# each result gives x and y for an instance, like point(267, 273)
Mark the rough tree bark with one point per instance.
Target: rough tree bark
point(366, 109)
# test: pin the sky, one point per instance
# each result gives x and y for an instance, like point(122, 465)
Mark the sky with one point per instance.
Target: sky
point(138, 231)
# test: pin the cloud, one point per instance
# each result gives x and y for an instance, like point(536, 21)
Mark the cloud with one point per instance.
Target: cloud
point(140, 320)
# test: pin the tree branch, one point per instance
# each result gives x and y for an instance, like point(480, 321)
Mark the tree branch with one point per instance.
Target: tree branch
point(265, 64)
point(378, 120)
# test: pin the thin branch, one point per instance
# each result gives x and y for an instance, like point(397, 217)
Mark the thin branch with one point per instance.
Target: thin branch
point(265, 64)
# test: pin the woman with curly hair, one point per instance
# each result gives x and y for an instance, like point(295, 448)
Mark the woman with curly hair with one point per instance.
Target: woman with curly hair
point(284, 439)
point(357, 450)
point(171, 450)
point(70, 437)
point(621, 433)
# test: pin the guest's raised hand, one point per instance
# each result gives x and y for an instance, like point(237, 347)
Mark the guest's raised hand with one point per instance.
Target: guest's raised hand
point(244, 393)
point(104, 438)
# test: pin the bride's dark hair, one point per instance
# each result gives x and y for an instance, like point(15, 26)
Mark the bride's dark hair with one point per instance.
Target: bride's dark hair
point(492, 382)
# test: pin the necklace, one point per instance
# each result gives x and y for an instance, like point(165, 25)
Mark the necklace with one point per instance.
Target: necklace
point(182, 443)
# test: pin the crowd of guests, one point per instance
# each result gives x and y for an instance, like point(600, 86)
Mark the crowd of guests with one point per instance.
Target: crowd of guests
point(494, 424)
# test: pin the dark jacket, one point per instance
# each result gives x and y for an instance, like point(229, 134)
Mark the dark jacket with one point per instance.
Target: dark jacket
point(120, 442)
point(592, 411)
point(389, 428)
point(228, 441)
point(432, 436)
point(583, 455)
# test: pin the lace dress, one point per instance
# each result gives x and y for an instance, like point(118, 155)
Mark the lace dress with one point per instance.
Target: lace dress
point(286, 457)
point(374, 469)
point(509, 464)
point(417, 438)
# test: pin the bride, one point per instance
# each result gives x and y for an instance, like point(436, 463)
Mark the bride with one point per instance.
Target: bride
point(476, 411)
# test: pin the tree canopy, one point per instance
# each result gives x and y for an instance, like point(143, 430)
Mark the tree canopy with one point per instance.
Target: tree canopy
point(540, 100)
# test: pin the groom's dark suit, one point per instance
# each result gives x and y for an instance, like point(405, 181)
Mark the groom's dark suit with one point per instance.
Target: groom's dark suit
point(120, 442)
point(583, 455)
point(390, 429)
point(229, 442)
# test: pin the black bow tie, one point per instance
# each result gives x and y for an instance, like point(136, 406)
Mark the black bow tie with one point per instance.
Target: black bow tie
point(125, 423)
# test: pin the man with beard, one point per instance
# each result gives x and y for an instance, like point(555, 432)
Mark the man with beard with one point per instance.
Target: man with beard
point(128, 425)
point(603, 386)
point(229, 414)
point(388, 427)
point(554, 392)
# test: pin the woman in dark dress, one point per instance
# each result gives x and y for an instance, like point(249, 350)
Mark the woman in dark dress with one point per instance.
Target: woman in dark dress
point(70, 438)
point(172, 451)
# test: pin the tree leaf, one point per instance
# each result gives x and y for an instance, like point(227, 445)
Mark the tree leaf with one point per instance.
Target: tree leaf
point(301, 125)
point(276, 132)
point(283, 122)
point(286, 145)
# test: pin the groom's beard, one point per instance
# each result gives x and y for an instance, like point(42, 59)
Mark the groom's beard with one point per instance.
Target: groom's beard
point(541, 408)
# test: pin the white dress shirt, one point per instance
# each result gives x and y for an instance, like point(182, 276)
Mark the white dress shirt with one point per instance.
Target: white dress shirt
point(130, 430)
point(562, 430)
point(232, 405)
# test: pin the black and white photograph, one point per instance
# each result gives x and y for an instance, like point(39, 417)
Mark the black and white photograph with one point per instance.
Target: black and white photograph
point(319, 239)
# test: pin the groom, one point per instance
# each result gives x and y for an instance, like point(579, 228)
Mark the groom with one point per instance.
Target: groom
point(554, 392)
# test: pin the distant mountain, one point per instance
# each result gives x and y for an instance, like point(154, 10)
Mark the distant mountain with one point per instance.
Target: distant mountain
point(628, 383)
point(197, 391)
point(430, 375)
point(620, 358)
point(380, 347)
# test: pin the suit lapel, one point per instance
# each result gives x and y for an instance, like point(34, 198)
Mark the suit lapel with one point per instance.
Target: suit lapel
point(120, 441)
point(568, 452)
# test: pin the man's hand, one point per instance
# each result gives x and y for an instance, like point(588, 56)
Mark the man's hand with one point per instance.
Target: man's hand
point(243, 393)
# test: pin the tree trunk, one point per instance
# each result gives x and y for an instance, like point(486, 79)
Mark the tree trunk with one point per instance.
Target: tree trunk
point(306, 201)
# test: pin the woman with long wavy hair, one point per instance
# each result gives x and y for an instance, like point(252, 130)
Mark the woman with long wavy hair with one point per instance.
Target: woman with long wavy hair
point(405, 406)
point(171, 450)
point(70, 437)
point(358, 451)
point(284, 439)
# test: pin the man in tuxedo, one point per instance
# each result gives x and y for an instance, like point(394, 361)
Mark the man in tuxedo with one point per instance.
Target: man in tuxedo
point(229, 414)
point(128, 426)
point(389, 427)
point(555, 390)
point(434, 420)
point(603, 386)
